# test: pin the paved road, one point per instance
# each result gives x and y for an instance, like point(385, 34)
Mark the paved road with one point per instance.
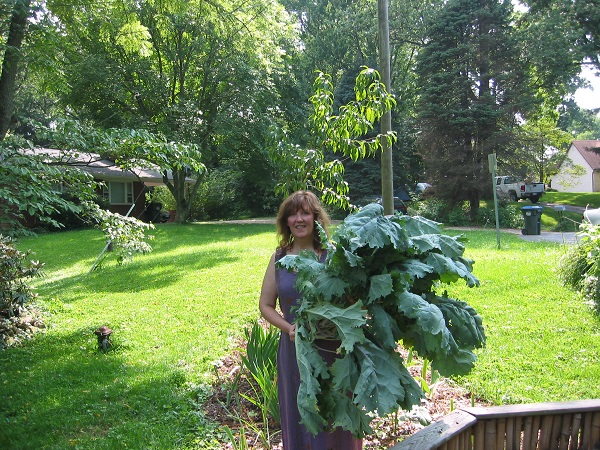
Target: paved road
point(566, 237)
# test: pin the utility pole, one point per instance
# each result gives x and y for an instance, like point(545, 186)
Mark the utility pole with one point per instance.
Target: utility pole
point(387, 173)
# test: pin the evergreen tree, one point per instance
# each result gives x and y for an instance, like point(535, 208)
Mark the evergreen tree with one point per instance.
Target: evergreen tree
point(472, 85)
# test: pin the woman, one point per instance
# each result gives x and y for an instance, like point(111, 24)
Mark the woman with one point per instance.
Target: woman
point(297, 232)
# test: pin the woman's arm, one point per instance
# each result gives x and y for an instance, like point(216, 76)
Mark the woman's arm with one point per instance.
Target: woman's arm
point(268, 302)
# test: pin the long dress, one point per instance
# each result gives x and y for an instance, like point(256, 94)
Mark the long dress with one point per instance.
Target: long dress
point(294, 435)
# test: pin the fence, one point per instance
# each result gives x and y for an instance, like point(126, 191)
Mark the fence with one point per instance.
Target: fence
point(540, 426)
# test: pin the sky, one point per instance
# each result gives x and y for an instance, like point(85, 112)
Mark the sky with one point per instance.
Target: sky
point(589, 98)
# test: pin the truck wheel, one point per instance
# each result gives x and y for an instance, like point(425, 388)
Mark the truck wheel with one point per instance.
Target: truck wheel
point(524, 232)
point(513, 196)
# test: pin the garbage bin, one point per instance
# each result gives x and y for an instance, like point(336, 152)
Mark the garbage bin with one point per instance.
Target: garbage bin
point(153, 212)
point(532, 216)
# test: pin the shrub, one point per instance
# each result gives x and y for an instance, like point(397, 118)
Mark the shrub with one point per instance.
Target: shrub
point(162, 195)
point(432, 209)
point(219, 196)
point(458, 216)
point(15, 269)
point(509, 216)
point(579, 268)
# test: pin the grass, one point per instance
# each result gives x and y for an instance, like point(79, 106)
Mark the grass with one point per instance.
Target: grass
point(573, 198)
point(173, 313)
point(543, 341)
point(180, 308)
point(553, 220)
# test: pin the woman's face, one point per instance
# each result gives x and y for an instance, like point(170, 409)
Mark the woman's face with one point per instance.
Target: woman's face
point(301, 223)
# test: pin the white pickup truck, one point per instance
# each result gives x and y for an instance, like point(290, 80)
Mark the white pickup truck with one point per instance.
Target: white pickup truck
point(517, 189)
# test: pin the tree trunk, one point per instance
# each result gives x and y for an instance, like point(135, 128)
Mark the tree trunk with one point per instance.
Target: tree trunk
point(10, 64)
point(387, 172)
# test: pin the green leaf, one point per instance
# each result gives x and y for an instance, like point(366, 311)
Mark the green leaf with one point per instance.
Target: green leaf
point(450, 270)
point(447, 245)
point(380, 286)
point(311, 367)
point(416, 269)
point(378, 387)
point(348, 321)
point(428, 320)
point(384, 327)
point(465, 325)
point(348, 416)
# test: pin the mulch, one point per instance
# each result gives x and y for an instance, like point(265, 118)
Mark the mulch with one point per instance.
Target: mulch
point(237, 413)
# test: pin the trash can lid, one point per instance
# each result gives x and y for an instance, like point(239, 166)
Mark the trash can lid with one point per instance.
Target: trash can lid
point(531, 207)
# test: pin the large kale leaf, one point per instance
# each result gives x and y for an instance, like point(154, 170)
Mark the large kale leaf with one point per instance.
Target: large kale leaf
point(377, 289)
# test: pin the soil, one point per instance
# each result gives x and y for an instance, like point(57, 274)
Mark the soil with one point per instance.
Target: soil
point(445, 396)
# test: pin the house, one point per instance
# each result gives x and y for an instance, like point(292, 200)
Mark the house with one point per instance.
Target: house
point(120, 188)
point(580, 170)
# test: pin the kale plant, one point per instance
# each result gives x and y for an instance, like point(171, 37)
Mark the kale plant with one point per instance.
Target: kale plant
point(376, 289)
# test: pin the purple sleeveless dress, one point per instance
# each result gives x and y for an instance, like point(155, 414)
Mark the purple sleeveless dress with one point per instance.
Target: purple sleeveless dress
point(294, 435)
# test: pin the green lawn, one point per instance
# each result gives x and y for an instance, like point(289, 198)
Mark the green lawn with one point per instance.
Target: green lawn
point(178, 309)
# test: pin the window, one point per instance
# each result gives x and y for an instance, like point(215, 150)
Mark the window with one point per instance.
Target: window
point(118, 193)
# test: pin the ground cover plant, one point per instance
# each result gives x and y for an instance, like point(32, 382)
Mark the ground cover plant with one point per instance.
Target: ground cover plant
point(177, 310)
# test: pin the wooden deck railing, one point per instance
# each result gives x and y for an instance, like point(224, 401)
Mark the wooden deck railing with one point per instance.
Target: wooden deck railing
point(540, 426)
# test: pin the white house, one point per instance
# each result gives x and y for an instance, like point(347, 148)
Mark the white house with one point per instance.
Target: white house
point(580, 171)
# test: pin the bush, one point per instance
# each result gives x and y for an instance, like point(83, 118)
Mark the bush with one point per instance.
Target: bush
point(219, 196)
point(15, 269)
point(458, 216)
point(509, 216)
point(162, 195)
point(432, 209)
point(579, 268)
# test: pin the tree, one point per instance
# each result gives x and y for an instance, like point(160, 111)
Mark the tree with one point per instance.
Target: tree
point(543, 143)
point(344, 131)
point(31, 187)
point(190, 71)
point(11, 61)
point(579, 19)
point(580, 123)
point(473, 86)
point(177, 162)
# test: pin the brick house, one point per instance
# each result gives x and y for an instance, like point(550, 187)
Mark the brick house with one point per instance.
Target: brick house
point(120, 188)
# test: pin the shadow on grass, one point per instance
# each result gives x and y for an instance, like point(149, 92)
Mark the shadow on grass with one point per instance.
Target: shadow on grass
point(193, 247)
point(62, 392)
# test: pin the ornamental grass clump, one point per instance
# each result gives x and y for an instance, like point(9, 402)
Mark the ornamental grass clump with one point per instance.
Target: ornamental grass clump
point(378, 288)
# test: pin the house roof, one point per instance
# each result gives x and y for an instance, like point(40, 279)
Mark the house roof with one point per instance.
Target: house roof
point(102, 169)
point(586, 148)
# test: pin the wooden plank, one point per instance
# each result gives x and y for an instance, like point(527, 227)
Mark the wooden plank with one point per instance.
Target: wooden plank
point(528, 433)
point(479, 436)
point(595, 435)
point(438, 433)
point(530, 409)
point(545, 432)
point(535, 435)
point(557, 420)
point(490, 434)
point(575, 432)
point(501, 434)
point(513, 433)
point(586, 432)
point(565, 432)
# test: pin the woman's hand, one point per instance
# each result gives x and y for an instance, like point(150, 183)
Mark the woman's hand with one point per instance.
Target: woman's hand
point(292, 332)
